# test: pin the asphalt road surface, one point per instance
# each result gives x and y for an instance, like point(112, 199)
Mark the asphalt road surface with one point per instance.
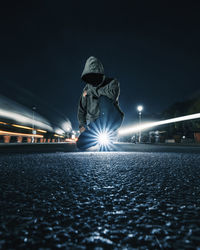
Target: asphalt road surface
point(104, 200)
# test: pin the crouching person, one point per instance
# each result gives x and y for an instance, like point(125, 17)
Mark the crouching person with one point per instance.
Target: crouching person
point(98, 109)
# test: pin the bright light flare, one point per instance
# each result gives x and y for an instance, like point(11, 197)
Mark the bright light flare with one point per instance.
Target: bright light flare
point(158, 123)
point(140, 108)
point(103, 139)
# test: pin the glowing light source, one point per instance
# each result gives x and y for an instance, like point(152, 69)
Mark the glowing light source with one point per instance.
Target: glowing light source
point(3, 123)
point(60, 136)
point(59, 131)
point(56, 135)
point(66, 126)
point(140, 108)
point(70, 140)
point(42, 131)
point(158, 123)
point(103, 139)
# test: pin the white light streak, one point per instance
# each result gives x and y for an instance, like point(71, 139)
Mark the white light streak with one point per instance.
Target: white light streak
point(59, 131)
point(22, 118)
point(21, 115)
point(158, 123)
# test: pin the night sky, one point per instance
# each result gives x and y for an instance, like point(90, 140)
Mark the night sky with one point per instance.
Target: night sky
point(151, 47)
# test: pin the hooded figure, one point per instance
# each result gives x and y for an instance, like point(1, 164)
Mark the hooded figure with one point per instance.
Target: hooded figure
point(96, 85)
point(100, 95)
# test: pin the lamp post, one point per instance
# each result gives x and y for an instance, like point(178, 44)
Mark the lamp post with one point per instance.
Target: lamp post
point(33, 125)
point(139, 109)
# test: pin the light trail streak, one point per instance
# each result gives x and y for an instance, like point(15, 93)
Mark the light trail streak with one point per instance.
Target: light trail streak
point(42, 131)
point(19, 134)
point(20, 126)
point(144, 126)
point(23, 119)
point(61, 136)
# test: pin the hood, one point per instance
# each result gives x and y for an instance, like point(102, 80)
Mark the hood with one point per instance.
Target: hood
point(93, 71)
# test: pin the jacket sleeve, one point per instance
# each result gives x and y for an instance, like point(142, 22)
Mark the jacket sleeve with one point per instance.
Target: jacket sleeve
point(82, 111)
point(111, 90)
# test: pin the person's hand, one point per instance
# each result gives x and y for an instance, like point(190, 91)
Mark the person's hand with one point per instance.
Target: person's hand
point(84, 93)
point(82, 129)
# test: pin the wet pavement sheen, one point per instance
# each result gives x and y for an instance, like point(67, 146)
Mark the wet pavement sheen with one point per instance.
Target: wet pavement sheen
point(107, 200)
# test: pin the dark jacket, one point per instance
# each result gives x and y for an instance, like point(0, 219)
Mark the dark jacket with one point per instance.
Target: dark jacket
point(88, 109)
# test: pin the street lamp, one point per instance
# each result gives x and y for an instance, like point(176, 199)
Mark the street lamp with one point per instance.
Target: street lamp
point(33, 126)
point(139, 109)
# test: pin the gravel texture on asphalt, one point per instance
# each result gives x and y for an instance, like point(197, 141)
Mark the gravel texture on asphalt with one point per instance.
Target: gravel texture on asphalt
point(102, 200)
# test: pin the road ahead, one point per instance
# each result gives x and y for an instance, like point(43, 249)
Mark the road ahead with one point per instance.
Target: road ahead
point(106, 199)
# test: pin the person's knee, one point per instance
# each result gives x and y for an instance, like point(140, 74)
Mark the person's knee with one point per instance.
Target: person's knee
point(85, 140)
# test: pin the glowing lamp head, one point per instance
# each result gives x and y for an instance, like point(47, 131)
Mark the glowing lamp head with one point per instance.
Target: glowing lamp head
point(140, 108)
point(103, 139)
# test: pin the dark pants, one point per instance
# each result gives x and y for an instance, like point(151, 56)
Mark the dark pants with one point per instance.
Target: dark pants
point(110, 119)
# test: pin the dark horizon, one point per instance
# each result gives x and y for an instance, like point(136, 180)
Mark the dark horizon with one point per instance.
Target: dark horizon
point(152, 49)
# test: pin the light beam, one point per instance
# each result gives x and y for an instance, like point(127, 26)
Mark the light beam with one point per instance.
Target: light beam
point(144, 126)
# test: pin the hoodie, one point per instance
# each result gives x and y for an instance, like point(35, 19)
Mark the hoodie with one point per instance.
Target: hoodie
point(97, 84)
